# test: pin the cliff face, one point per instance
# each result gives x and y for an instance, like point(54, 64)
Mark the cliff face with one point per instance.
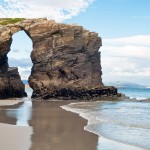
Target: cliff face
point(66, 61)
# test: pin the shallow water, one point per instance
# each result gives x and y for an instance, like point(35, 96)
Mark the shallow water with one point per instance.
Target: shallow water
point(23, 114)
point(120, 125)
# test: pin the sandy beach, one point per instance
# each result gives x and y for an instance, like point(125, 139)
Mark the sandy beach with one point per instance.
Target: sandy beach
point(51, 127)
point(57, 129)
point(13, 137)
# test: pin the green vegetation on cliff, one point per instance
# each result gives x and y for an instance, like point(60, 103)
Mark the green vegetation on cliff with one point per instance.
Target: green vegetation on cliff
point(6, 21)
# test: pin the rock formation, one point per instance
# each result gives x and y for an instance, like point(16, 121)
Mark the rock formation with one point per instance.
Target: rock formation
point(66, 60)
point(11, 85)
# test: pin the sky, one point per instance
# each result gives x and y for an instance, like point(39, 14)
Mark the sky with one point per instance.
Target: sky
point(123, 25)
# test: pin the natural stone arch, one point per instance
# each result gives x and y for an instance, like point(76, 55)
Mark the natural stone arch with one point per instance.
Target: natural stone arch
point(66, 59)
point(11, 85)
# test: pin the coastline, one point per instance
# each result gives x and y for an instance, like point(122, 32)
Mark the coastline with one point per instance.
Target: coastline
point(104, 143)
point(10, 102)
point(51, 127)
point(58, 129)
point(54, 127)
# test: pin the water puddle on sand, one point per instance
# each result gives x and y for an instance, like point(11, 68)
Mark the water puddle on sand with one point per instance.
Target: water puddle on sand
point(22, 114)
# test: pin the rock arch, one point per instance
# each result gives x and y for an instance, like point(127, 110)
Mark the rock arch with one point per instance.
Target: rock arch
point(66, 60)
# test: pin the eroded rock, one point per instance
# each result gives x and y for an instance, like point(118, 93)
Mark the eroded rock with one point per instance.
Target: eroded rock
point(11, 85)
point(66, 59)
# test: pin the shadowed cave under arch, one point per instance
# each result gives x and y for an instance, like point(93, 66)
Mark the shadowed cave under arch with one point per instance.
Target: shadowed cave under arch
point(66, 62)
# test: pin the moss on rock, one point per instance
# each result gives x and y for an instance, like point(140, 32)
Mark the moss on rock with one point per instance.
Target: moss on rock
point(6, 21)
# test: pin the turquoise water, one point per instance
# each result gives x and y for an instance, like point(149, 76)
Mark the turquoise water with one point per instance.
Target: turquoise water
point(121, 125)
point(139, 93)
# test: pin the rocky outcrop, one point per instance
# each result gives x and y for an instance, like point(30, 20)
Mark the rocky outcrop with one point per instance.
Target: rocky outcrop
point(11, 85)
point(66, 59)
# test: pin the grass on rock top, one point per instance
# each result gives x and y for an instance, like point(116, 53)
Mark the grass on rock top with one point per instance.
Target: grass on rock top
point(6, 21)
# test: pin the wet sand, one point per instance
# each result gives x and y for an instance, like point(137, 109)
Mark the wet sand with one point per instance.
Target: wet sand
point(53, 129)
point(57, 129)
point(13, 137)
point(9, 102)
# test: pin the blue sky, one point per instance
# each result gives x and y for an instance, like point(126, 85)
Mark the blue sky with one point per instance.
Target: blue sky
point(116, 18)
point(124, 26)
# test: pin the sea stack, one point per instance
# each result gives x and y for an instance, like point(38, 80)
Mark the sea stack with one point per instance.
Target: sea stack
point(66, 61)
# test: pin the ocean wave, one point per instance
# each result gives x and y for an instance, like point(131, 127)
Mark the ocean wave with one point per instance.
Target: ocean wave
point(138, 98)
point(96, 121)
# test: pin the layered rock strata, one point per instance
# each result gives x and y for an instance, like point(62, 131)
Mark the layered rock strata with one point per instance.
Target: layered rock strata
point(66, 59)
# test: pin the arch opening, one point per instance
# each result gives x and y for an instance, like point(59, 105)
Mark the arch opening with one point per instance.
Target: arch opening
point(19, 56)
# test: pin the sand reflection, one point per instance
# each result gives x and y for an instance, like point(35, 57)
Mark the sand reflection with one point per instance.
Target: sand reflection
point(57, 129)
point(22, 114)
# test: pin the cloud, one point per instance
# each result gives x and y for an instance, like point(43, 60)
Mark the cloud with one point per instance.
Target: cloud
point(126, 59)
point(15, 50)
point(23, 65)
point(139, 40)
point(135, 52)
point(125, 67)
point(14, 62)
point(52, 9)
point(24, 72)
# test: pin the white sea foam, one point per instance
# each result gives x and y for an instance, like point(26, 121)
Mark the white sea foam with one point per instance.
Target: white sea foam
point(139, 98)
point(148, 87)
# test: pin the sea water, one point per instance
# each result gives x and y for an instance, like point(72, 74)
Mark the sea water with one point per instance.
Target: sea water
point(138, 93)
point(121, 125)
